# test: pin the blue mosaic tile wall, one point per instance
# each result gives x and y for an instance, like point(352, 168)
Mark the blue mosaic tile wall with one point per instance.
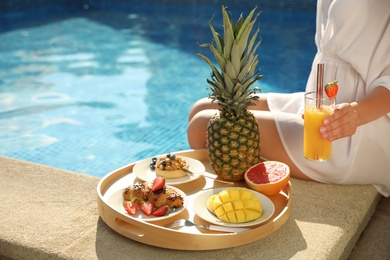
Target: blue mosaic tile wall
point(293, 5)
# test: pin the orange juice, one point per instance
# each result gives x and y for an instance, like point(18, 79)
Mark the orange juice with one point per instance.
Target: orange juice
point(314, 147)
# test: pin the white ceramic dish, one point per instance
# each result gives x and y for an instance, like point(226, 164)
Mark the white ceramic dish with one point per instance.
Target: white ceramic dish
point(200, 208)
point(116, 201)
point(142, 170)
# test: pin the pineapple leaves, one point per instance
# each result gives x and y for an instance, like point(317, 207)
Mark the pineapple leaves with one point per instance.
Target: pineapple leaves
point(213, 68)
point(236, 58)
point(231, 70)
point(238, 25)
point(228, 84)
point(217, 36)
point(252, 41)
point(246, 22)
point(232, 80)
point(218, 57)
point(228, 33)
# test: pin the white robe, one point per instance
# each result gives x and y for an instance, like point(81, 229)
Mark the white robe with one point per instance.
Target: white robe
point(353, 42)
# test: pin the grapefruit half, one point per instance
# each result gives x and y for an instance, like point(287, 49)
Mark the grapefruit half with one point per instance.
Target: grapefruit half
point(268, 177)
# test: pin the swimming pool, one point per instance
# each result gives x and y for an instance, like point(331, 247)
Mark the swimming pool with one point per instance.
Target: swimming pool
point(94, 87)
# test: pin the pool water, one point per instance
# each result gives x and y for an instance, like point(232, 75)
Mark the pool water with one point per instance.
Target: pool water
point(94, 90)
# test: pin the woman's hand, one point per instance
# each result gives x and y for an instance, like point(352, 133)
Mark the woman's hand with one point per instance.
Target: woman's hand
point(342, 123)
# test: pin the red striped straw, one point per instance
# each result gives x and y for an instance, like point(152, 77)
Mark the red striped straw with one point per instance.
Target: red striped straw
point(320, 84)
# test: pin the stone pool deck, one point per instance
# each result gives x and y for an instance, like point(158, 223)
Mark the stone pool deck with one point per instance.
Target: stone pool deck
point(49, 213)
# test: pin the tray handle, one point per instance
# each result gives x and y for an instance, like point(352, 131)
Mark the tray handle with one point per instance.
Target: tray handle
point(147, 232)
point(128, 228)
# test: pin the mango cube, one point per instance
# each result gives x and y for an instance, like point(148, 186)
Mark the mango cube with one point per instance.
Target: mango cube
point(228, 207)
point(240, 214)
point(234, 194)
point(239, 204)
point(224, 196)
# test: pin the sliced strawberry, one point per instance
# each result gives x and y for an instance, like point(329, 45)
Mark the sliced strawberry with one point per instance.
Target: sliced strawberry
point(158, 183)
point(147, 208)
point(131, 206)
point(331, 89)
point(160, 211)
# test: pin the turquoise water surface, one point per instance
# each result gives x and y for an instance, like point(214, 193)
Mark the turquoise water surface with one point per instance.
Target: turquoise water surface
point(93, 90)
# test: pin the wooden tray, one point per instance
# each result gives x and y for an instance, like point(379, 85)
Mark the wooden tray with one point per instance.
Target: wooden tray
point(155, 234)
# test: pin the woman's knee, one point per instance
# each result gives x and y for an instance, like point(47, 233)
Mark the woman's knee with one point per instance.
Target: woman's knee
point(201, 104)
point(261, 103)
point(197, 128)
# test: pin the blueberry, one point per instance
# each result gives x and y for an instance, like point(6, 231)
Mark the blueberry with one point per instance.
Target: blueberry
point(154, 160)
point(164, 163)
point(171, 156)
point(152, 166)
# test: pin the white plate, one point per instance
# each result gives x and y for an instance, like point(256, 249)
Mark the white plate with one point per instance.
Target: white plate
point(116, 201)
point(200, 208)
point(142, 170)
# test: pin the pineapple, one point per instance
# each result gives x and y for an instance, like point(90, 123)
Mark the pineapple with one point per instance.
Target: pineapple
point(235, 205)
point(233, 138)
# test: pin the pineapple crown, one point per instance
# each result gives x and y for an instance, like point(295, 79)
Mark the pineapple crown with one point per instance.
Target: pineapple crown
point(231, 86)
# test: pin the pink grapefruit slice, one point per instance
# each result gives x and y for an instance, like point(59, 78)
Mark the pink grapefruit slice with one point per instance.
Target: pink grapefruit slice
point(268, 177)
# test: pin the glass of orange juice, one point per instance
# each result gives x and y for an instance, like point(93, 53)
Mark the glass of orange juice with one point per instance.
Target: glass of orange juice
point(314, 147)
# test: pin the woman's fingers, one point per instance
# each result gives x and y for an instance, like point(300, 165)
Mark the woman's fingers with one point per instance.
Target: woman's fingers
point(341, 123)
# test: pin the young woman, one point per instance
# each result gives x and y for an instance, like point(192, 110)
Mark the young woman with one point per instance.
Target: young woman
point(353, 42)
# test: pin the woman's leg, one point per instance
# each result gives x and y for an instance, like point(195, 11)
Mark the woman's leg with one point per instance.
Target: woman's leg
point(197, 128)
point(271, 144)
point(205, 104)
point(201, 104)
